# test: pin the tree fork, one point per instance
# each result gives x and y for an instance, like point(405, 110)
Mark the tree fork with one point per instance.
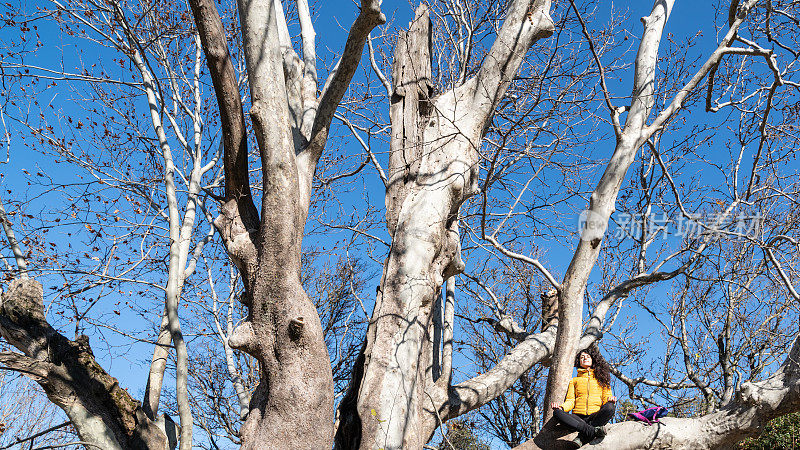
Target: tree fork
point(433, 169)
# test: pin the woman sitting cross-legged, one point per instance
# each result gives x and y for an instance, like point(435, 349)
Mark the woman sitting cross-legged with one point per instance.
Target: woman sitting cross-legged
point(589, 398)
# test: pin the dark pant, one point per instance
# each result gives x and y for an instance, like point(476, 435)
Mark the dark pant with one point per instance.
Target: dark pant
point(584, 424)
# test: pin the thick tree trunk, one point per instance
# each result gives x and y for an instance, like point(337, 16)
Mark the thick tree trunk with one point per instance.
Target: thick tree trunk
point(392, 390)
point(104, 414)
point(292, 406)
point(433, 169)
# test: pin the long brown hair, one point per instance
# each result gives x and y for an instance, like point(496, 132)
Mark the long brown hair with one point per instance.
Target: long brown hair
point(599, 365)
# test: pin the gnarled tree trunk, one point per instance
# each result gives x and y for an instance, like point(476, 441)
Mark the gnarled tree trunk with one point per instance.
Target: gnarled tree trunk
point(292, 407)
point(433, 169)
point(104, 415)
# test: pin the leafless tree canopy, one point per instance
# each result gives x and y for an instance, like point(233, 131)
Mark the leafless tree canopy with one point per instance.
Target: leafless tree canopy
point(268, 224)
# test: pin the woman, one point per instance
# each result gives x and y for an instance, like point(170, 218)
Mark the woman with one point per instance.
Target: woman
point(589, 398)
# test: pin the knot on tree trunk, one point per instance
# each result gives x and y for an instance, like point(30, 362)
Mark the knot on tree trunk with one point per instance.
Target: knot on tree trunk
point(452, 250)
point(372, 10)
point(549, 308)
point(539, 18)
point(296, 328)
point(455, 267)
point(243, 338)
point(749, 394)
point(257, 115)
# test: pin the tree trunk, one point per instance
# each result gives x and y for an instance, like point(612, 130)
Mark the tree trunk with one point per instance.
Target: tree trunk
point(104, 414)
point(292, 407)
point(421, 217)
point(433, 169)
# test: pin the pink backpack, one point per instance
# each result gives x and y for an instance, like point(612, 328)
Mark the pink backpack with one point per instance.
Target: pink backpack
point(649, 415)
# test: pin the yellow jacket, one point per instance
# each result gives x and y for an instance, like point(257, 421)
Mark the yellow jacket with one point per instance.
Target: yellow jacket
point(585, 395)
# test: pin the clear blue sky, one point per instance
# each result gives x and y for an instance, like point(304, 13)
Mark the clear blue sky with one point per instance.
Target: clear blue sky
point(332, 18)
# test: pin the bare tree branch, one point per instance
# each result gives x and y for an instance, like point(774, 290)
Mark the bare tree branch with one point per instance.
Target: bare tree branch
point(19, 257)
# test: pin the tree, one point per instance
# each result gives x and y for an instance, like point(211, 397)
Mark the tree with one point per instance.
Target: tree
point(490, 127)
point(461, 436)
point(781, 432)
point(27, 416)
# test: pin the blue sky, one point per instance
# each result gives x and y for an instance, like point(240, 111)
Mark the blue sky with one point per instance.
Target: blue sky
point(330, 19)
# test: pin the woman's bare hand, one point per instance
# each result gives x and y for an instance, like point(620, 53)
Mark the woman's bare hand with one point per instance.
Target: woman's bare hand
point(612, 399)
point(555, 405)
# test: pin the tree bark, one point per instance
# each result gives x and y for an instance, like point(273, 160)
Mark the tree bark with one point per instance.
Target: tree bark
point(104, 414)
point(293, 405)
point(433, 169)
